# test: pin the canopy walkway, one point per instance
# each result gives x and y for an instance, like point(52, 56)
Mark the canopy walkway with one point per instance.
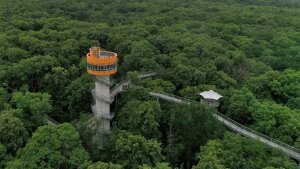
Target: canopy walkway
point(235, 126)
point(123, 85)
point(231, 124)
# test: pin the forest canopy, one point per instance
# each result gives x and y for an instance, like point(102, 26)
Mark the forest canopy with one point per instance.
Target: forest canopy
point(247, 50)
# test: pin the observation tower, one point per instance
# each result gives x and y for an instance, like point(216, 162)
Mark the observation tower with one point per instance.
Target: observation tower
point(102, 64)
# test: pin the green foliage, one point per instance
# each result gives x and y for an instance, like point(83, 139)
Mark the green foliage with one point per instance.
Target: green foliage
point(78, 95)
point(92, 140)
point(189, 127)
point(159, 85)
point(239, 152)
point(138, 49)
point(192, 92)
point(138, 93)
point(260, 85)
point(29, 71)
point(237, 103)
point(2, 155)
point(209, 161)
point(133, 150)
point(3, 99)
point(280, 86)
point(102, 165)
point(276, 121)
point(13, 133)
point(51, 147)
point(158, 166)
point(55, 83)
point(247, 50)
point(34, 107)
point(141, 118)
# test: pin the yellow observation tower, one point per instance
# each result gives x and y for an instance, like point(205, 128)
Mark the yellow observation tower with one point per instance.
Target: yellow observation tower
point(102, 64)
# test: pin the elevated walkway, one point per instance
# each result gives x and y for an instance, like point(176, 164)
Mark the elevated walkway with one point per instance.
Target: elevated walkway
point(231, 124)
point(123, 86)
point(51, 121)
point(235, 126)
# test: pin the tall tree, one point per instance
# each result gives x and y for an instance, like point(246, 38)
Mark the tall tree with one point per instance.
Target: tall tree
point(78, 95)
point(190, 127)
point(240, 152)
point(236, 105)
point(92, 139)
point(35, 108)
point(51, 146)
point(13, 133)
point(102, 165)
point(134, 150)
point(140, 117)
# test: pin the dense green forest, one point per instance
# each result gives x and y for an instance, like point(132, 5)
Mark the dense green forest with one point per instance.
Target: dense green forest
point(247, 50)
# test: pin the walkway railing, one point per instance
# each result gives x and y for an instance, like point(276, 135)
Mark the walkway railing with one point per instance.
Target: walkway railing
point(171, 97)
point(147, 74)
point(52, 121)
point(119, 86)
point(235, 126)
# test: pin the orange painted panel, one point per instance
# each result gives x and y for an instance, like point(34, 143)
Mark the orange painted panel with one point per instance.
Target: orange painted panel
point(101, 61)
point(101, 73)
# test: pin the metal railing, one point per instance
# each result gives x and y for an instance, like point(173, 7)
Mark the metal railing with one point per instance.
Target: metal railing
point(164, 95)
point(248, 132)
point(292, 151)
point(147, 74)
point(124, 82)
point(115, 90)
point(52, 121)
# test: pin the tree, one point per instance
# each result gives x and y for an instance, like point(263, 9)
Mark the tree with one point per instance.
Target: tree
point(159, 85)
point(182, 75)
point(190, 127)
point(286, 86)
point(51, 146)
point(55, 83)
point(13, 133)
point(140, 49)
point(102, 165)
point(158, 166)
point(92, 139)
point(78, 95)
point(133, 150)
point(35, 108)
point(276, 120)
point(3, 99)
point(236, 105)
point(192, 92)
point(2, 155)
point(140, 117)
point(29, 71)
point(15, 54)
point(240, 152)
point(209, 161)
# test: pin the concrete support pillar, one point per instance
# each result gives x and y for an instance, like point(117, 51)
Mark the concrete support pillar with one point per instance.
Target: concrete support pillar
point(102, 91)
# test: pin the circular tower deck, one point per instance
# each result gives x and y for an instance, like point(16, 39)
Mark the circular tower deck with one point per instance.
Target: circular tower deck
point(101, 63)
